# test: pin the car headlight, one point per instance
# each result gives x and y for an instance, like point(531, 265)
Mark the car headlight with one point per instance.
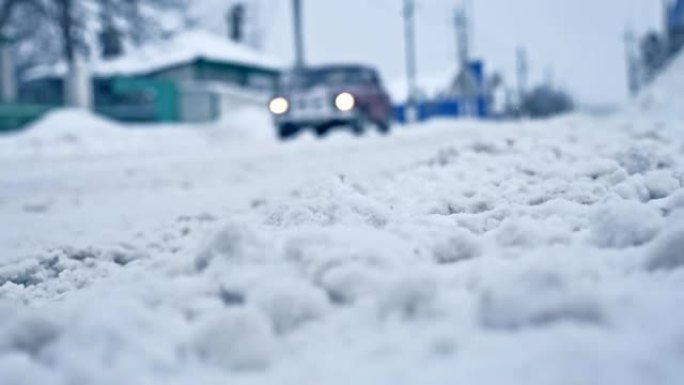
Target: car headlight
point(279, 105)
point(345, 102)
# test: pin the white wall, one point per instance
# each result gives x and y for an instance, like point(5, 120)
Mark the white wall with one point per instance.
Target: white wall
point(205, 102)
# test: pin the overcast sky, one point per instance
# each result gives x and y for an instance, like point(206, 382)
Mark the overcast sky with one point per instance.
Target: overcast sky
point(579, 42)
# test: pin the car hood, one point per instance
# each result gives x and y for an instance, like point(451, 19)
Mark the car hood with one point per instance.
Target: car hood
point(322, 91)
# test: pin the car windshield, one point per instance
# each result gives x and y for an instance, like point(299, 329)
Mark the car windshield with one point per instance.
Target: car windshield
point(329, 76)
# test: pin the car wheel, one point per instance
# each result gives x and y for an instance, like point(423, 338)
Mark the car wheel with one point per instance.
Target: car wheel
point(322, 130)
point(384, 127)
point(287, 131)
point(360, 125)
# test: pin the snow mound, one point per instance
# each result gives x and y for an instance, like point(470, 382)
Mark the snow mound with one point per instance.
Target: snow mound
point(625, 224)
point(537, 298)
point(67, 131)
point(664, 98)
point(74, 126)
point(236, 339)
point(246, 124)
point(78, 133)
point(668, 251)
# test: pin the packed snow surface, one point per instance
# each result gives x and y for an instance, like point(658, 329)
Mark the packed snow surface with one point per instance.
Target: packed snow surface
point(451, 252)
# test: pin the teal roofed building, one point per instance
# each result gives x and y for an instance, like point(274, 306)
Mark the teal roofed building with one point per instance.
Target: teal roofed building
point(195, 76)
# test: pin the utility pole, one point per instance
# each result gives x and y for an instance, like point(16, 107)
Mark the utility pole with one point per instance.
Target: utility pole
point(468, 87)
point(666, 25)
point(8, 86)
point(632, 60)
point(462, 26)
point(411, 67)
point(523, 70)
point(298, 33)
point(235, 20)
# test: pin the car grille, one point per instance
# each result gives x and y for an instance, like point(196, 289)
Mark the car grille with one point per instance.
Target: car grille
point(310, 104)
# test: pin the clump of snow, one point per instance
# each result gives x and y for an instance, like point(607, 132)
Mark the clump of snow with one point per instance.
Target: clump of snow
point(228, 245)
point(663, 98)
point(537, 298)
point(408, 296)
point(622, 224)
point(634, 188)
point(461, 246)
point(28, 332)
point(674, 202)
point(667, 252)
point(519, 233)
point(19, 369)
point(643, 158)
point(236, 339)
point(289, 304)
point(351, 282)
point(331, 206)
point(661, 184)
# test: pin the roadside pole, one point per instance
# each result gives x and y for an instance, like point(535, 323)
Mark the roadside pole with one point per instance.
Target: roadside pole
point(522, 73)
point(469, 89)
point(411, 111)
point(298, 33)
point(632, 62)
point(8, 86)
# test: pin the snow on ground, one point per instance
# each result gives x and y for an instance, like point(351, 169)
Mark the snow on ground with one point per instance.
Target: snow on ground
point(76, 134)
point(519, 253)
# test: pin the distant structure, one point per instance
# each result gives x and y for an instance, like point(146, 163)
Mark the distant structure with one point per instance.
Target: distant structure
point(195, 76)
point(647, 56)
point(675, 25)
point(243, 23)
point(235, 19)
point(468, 84)
point(410, 110)
point(522, 72)
point(469, 93)
point(110, 37)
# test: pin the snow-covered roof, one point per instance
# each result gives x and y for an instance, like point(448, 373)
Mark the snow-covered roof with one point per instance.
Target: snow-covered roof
point(184, 47)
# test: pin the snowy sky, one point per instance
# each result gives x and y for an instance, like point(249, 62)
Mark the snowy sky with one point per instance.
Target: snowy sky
point(579, 42)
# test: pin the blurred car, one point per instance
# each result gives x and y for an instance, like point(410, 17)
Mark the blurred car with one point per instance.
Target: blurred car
point(326, 97)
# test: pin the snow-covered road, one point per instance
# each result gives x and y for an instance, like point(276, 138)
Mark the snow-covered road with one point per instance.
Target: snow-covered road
point(125, 192)
point(520, 253)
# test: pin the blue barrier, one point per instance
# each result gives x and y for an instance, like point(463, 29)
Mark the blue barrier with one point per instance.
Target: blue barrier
point(676, 16)
point(427, 110)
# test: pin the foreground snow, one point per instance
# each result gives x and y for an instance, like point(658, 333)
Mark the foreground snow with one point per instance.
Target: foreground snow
point(530, 253)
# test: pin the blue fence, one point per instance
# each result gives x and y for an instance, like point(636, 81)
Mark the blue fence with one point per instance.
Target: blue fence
point(676, 18)
point(426, 110)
